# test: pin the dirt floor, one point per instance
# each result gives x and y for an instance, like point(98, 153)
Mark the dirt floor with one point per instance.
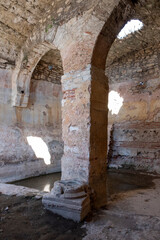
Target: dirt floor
point(24, 218)
point(132, 213)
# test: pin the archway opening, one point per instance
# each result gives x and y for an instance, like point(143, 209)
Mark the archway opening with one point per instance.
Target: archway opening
point(132, 68)
point(36, 129)
point(44, 104)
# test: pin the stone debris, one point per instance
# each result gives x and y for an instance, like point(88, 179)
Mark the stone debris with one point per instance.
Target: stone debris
point(14, 190)
point(69, 199)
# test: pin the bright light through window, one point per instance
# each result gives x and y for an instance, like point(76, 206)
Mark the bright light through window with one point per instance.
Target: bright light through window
point(131, 27)
point(40, 148)
point(115, 102)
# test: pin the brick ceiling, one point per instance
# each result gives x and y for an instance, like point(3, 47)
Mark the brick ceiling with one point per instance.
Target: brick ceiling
point(149, 13)
point(18, 18)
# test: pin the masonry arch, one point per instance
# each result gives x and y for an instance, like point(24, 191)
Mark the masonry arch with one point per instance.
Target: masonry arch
point(133, 74)
point(85, 108)
point(99, 97)
point(21, 76)
point(125, 11)
point(85, 101)
point(45, 97)
point(36, 100)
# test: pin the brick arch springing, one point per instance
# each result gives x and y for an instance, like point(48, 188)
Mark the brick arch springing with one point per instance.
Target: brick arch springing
point(118, 18)
point(23, 71)
point(99, 98)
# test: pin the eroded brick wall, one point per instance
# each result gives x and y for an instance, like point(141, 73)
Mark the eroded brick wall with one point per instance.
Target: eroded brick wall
point(135, 130)
point(42, 118)
point(48, 72)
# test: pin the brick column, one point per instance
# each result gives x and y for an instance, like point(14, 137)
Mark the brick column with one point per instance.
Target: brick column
point(84, 116)
point(84, 127)
point(76, 124)
point(98, 136)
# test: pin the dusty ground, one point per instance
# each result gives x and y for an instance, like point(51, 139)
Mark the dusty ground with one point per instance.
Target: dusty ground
point(114, 225)
point(130, 215)
point(133, 213)
point(25, 219)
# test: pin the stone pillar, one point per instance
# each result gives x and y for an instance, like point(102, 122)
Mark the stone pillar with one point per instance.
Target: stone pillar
point(98, 136)
point(84, 125)
point(76, 124)
point(84, 115)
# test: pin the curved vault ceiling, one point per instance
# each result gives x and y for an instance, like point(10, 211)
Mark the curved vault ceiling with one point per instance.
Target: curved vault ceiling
point(149, 13)
point(19, 17)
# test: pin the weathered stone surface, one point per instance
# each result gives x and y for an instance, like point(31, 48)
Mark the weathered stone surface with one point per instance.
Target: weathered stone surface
point(147, 36)
point(49, 68)
point(69, 198)
point(42, 119)
point(19, 19)
point(136, 129)
point(13, 190)
point(79, 34)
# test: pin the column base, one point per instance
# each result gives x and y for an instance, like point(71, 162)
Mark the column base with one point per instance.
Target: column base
point(68, 198)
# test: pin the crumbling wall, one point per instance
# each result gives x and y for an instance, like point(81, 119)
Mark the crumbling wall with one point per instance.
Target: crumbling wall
point(42, 119)
point(135, 130)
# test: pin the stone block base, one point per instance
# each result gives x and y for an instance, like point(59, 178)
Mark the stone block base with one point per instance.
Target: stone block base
point(70, 199)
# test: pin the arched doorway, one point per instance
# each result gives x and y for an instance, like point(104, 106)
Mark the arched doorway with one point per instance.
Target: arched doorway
point(133, 70)
point(35, 122)
point(45, 111)
point(86, 141)
point(85, 127)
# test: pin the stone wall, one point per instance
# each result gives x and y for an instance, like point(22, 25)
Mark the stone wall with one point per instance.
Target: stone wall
point(47, 72)
point(41, 119)
point(135, 130)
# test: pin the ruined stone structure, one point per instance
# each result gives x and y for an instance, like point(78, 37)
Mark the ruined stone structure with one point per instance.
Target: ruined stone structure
point(136, 129)
point(41, 119)
point(70, 48)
